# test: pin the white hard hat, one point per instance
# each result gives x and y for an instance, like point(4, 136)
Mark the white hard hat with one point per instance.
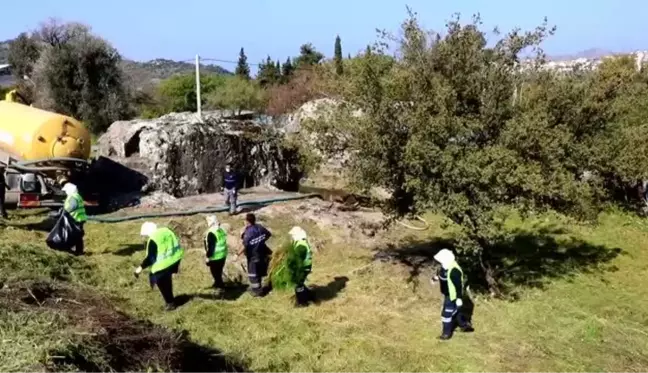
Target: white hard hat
point(212, 220)
point(445, 257)
point(297, 233)
point(69, 188)
point(148, 228)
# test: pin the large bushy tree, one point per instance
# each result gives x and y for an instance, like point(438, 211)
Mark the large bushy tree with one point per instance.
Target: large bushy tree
point(457, 126)
point(73, 72)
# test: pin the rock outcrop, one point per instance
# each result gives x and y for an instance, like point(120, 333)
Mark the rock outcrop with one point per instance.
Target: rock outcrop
point(182, 156)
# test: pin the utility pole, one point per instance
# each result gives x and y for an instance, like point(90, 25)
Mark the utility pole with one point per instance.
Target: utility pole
point(198, 105)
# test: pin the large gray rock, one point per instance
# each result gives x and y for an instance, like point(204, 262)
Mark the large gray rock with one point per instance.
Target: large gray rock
point(182, 156)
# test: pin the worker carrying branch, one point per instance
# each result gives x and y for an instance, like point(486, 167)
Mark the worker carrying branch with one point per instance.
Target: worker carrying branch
point(216, 250)
point(163, 256)
point(451, 281)
point(300, 263)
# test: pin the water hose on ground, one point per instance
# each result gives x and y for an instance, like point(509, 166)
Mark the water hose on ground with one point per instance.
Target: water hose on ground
point(425, 227)
point(208, 210)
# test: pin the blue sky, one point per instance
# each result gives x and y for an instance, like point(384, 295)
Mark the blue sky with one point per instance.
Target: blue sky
point(147, 29)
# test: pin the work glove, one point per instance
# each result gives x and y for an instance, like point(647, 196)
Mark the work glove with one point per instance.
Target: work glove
point(207, 261)
point(138, 270)
point(433, 280)
point(458, 302)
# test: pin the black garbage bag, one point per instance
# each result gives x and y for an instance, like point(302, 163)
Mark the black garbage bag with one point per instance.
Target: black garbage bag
point(65, 234)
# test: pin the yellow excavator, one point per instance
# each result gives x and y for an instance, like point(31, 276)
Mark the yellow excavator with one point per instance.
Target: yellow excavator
point(41, 150)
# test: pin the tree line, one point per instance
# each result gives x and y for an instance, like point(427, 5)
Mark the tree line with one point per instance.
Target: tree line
point(66, 68)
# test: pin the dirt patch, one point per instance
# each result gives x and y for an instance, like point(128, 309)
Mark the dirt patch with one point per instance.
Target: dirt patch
point(103, 338)
point(363, 224)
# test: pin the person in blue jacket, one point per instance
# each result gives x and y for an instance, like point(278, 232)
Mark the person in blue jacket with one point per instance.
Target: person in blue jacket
point(258, 254)
point(230, 187)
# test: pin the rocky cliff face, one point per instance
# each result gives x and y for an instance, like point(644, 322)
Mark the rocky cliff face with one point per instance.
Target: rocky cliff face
point(183, 157)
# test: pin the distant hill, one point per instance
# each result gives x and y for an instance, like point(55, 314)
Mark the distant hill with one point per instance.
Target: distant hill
point(144, 74)
point(590, 54)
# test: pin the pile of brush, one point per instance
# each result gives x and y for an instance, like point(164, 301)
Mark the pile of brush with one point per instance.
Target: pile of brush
point(285, 267)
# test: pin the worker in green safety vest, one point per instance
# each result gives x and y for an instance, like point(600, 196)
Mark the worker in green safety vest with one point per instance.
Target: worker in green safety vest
point(451, 281)
point(300, 262)
point(216, 250)
point(163, 256)
point(75, 206)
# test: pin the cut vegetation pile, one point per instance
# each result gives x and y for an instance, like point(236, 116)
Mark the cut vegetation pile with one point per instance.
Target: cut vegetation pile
point(56, 325)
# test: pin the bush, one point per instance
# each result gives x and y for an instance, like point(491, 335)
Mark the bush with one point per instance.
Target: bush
point(237, 94)
point(178, 93)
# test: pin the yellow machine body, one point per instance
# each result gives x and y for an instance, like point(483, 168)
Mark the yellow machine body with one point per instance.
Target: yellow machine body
point(28, 134)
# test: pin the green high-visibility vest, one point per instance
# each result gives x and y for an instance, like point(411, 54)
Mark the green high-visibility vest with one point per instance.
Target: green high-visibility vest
point(452, 291)
point(308, 260)
point(79, 213)
point(220, 251)
point(169, 251)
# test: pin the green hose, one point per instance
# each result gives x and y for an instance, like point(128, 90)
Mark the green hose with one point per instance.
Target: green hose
point(259, 202)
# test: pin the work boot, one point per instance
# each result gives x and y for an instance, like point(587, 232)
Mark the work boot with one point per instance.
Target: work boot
point(467, 328)
point(445, 337)
point(301, 299)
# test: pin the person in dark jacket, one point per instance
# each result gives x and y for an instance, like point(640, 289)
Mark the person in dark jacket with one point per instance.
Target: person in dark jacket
point(216, 250)
point(163, 256)
point(230, 187)
point(254, 238)
point(451, 282)
point(3, 189)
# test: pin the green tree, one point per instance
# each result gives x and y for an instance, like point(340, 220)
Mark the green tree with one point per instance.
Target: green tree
point(287, 71)
point(237, 94)
point(242, 67)
point(177, 93)
point(269, 74)
point(308, 56)
point(78, 74)
point(23, 54)
point(339, 67)
point(440, 130)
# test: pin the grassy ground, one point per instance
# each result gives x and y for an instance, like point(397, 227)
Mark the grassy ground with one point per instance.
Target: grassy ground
point(580, 304)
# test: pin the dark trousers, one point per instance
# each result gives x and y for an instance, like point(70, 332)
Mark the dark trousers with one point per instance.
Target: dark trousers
point(451, 316)
point(302, 294)
point(216, 269)
point(3, 212)
point(165, 283)
point(79, 247)
point(257, 269)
